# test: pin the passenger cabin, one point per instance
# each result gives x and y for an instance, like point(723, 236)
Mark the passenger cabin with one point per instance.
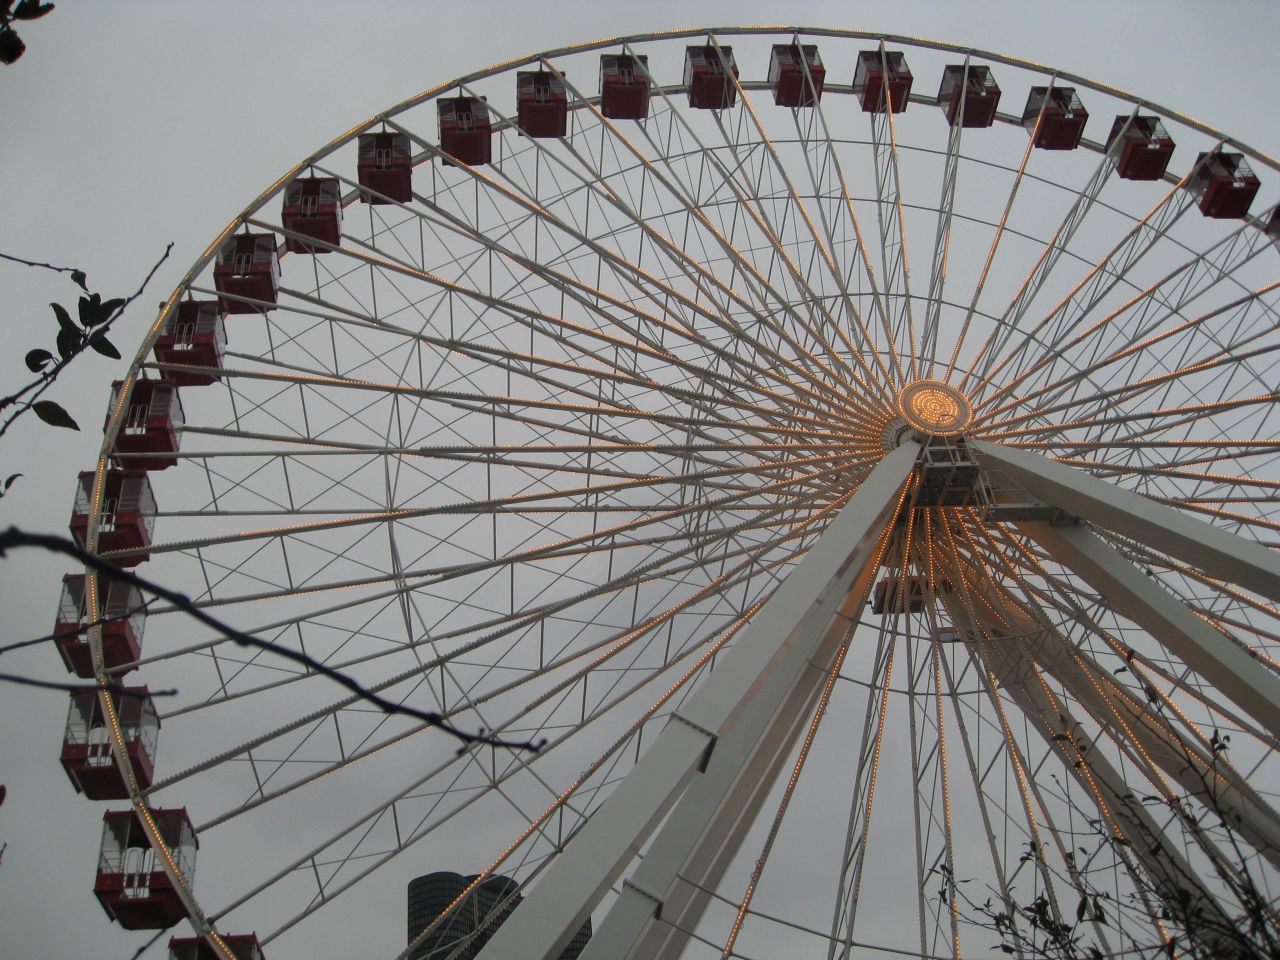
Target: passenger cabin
point(127, 518)
point(465, 130)
point(708, 75)
point(151, 430)
point(242, 946)
point(542, 104)
point(881, 74)
point(1145, 147)
point(247, 273)
point(1063, 120)
point(1273, 225)
point(120, 613)
point(86, 745)
point(132, 886)
point(313, 208)
point(949, 476)
point(969, 95)
point(1224, 184)
point(788, 65)
point(384, 167)
point(624, 86)
point(193, 336)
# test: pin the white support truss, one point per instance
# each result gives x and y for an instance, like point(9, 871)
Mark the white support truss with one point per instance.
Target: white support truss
point(742, 704)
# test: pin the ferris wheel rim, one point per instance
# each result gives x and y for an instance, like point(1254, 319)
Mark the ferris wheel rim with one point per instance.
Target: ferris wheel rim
point(248, 217)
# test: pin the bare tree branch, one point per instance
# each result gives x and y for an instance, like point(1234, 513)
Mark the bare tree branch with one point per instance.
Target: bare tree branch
point(28, 394)
point(13, 538)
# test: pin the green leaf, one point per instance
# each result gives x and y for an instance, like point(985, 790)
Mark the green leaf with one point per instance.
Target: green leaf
point(9, 482)
point(79, 279)
point(54, 415)
point(104, 346)
point(31, 10)
point(37, 360)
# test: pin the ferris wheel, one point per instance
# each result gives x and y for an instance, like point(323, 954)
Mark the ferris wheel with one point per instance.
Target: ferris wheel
point(862, 497)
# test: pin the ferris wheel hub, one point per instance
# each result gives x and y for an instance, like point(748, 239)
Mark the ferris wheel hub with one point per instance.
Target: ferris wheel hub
point(935, 409)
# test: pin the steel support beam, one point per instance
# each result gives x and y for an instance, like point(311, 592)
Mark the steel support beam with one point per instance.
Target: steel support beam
point(1122, 711)
point(662, 901)
point(1170, 873)
point(742, 701)
point(1220, 554)
point(1131, 593)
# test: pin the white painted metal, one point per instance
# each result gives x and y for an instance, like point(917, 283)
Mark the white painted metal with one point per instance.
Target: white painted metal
point(1220, 660)
point(1215, 551)
point(738, 702)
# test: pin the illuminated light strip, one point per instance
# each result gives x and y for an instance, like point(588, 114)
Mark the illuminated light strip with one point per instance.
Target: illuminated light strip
point(779, 249)
point(982, 636)
point(723, 241)
point(946, 797)
point(1148, 383)
point(995, 243)
point(1200, 409)
point(1084, 767)
point(561, 799)
point(796, 533)
point(738, 571)
point(560, 279)
point(1135, 660)
point(902, 226)
point(1093, 271)
point(1128, 350)
point(497, 505)
point(789, 790)
point(670, 247)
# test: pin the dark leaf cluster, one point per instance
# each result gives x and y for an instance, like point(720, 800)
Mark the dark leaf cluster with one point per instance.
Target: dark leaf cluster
point(11, 45)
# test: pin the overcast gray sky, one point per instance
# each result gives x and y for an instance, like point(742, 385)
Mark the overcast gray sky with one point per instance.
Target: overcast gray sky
point(132, 124)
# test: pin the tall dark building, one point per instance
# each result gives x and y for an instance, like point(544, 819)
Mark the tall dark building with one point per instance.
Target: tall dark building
point(463, 934)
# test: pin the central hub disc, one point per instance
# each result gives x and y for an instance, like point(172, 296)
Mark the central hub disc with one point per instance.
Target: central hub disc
point(933, 408)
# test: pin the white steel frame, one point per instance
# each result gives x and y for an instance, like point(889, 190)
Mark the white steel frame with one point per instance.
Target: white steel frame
point(700, 397)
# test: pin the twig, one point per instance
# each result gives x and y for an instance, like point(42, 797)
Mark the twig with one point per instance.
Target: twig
point(45, 380)
point(111, 685)
point(37, 263)
point(15, 538)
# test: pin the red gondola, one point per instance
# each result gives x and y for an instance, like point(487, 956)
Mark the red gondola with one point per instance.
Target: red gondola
point(384, 165)
point(1145, 151)
point(243, 946)
point(122, 617)
point(624, 86)
point(193, 336)
point(127, 517)
point(1064, 118)
point(131, 885)
point(977, 93)
point(86, 745)
point(312, 207)
point(1273, 225)
point(708, 75)
point(877, 72)
point(1224, 184)
point(151, 425)
point(788, 64)
point(248, 268)
point(542, 104)
point(465, 130)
